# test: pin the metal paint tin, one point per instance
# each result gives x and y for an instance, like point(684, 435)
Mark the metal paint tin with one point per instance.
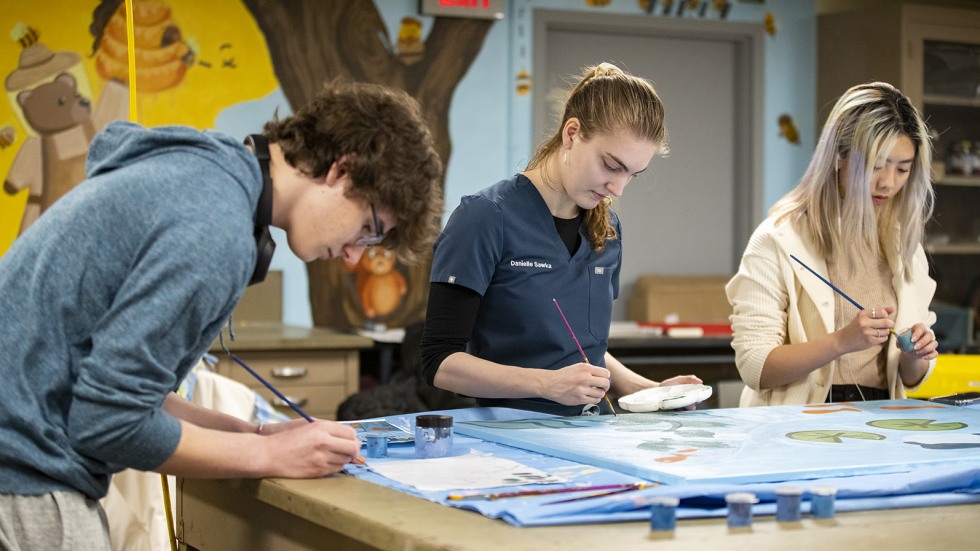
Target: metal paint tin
point(433, 436)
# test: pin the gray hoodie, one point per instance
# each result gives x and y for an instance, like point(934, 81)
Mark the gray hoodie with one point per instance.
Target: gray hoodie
point(111, 296)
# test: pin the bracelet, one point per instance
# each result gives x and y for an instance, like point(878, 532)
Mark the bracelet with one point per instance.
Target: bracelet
point(258, 429)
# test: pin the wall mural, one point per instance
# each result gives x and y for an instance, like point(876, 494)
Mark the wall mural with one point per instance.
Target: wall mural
point(350, 40)
point(67, 75)
point(53, 102)
point(73, 54)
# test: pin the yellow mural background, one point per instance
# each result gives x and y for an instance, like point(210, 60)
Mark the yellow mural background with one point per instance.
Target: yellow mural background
point(221, 31)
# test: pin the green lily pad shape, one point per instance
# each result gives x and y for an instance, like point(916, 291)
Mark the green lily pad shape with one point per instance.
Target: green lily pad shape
point(916, 424)
point(833, 436)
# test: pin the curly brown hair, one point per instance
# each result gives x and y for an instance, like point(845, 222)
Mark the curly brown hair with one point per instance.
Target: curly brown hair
point(391, 156)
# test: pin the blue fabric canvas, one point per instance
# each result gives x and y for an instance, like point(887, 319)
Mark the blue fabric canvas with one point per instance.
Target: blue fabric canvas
point(749, 445)
point(913, 487)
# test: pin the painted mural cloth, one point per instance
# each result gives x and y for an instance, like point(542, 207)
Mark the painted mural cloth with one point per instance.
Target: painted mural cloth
point(954, 479)
point(748, 445)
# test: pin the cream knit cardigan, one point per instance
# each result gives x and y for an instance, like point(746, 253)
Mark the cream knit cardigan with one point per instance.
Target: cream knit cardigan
point(765, 296)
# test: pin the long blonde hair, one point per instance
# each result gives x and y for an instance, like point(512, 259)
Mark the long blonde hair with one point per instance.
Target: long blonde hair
point(607, 101)
point(860, 132)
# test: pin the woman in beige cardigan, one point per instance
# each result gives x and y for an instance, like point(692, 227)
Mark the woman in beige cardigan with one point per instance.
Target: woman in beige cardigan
point(857, 217)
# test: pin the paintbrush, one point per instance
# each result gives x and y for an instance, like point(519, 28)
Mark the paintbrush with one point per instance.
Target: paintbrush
point(905, 342)
point(629, 488)
point(544, 492)
point(358, 460)
point(580, 350)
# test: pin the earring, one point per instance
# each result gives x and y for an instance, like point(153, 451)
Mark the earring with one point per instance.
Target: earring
point(564, 158)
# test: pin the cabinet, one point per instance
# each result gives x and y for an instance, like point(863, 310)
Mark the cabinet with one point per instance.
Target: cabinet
point(315, 368)
point(933, 55)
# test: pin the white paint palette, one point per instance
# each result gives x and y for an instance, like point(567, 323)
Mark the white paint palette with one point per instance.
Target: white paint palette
point(665, 397)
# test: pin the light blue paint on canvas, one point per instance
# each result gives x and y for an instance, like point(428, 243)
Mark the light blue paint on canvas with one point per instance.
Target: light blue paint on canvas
point(752, 445)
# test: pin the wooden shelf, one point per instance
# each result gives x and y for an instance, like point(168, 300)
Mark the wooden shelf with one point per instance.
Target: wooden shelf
point(955, 101)
point(953, 180)
point(954, 248)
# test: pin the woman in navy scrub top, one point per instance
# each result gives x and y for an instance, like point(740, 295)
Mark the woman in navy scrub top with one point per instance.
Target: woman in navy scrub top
point(492, 330)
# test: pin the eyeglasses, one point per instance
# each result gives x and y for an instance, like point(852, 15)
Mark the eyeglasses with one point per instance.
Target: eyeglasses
point(379, 232)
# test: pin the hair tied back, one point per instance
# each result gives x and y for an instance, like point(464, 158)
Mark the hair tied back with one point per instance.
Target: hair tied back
point(606, 69)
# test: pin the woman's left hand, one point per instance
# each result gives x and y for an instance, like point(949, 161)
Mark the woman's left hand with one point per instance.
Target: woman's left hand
point(682, 380)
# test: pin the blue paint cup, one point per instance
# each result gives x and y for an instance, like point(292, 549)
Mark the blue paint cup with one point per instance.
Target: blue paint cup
point(663, 513)
point(905, 341)
point(740, 509)
point(788, 503)
point(822, 501)
point(377, 445)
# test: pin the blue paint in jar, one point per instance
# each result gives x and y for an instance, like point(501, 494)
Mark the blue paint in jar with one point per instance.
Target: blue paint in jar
point(663, 513)
point(377, 445)
point(905, 341)
point(822, 501)
point(740, 509)
point(788, 503)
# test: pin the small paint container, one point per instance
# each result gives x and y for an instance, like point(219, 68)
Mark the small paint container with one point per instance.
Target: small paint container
point(788, 503)
point(905, 341)
point(740, 509)
point(377, 445)
point(663, 513)
point(433, 436)
point(822, 501)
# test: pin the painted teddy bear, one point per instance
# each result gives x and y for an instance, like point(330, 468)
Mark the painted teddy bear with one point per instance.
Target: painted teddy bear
point(51, 164)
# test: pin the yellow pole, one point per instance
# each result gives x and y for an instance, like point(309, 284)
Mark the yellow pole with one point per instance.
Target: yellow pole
point(131, 42)
point(171, 535)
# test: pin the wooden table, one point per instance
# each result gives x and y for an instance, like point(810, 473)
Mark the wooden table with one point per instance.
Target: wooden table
point(343, 513)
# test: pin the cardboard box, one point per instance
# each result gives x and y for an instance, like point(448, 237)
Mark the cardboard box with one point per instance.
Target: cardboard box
point(261, 303)
point(691, 298)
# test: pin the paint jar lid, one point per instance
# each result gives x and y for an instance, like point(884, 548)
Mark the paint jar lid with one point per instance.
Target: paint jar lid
point(434, 421)
point(665, 501)
point(789, 491)
point(741, 497)
point(823, 490)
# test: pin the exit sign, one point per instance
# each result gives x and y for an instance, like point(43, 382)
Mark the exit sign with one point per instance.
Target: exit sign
point(480, 9)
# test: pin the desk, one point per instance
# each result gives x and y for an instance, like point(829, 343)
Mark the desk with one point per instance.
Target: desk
point(315, 368)
point(343, 513)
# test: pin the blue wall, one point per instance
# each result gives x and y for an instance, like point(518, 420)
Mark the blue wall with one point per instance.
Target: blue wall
point(490, 123)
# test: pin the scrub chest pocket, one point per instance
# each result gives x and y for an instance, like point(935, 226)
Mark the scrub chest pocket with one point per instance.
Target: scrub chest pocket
point(600, 301)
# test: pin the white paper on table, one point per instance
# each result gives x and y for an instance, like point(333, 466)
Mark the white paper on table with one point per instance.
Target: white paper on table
point(465, 472)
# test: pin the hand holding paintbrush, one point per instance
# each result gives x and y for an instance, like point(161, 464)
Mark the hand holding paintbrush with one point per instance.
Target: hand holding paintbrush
point(905, 340)
point(580, 350)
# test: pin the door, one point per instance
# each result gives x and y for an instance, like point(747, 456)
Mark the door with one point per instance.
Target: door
point(691, 212)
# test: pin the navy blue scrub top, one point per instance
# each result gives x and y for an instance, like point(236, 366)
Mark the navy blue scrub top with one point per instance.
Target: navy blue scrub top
point(502, 243)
